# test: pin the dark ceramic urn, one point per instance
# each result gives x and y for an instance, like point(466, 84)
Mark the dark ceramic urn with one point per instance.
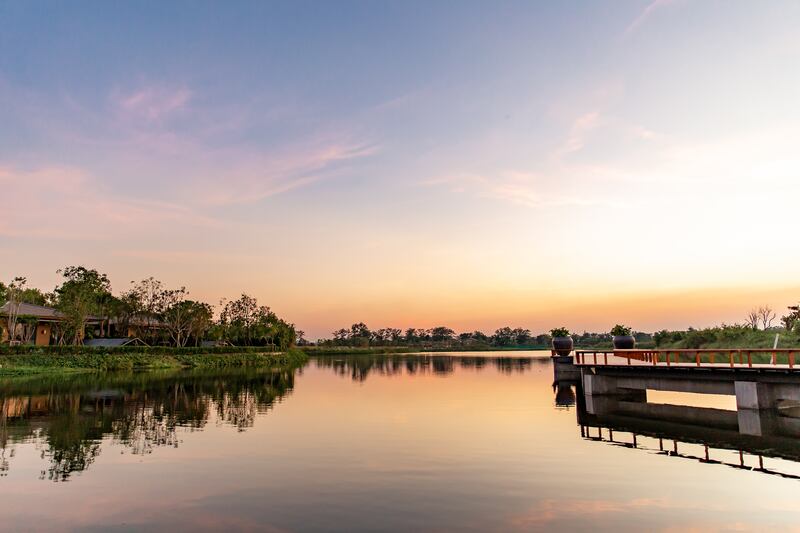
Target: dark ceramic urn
point(562, 345)
point(624, 342)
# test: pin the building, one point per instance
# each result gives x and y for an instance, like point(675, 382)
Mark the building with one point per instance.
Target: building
point(35, 322)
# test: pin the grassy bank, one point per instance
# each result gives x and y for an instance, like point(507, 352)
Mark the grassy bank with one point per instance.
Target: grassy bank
point(17, 361)
point(727, 337)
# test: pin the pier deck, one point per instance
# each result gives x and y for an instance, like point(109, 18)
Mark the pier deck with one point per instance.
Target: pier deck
point(755, 359)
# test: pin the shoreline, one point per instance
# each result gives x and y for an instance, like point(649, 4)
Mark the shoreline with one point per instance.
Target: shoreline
point(23, 364)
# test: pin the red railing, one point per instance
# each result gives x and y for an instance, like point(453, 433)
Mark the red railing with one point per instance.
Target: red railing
point(713, 357)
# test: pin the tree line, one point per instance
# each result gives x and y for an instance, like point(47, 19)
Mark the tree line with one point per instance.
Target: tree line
point(149, 310)
point(759, 330)
point(359, 335)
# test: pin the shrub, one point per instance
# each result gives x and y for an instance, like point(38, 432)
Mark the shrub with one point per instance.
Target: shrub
point(559, 332)
point(121, 350)
point(619, 330)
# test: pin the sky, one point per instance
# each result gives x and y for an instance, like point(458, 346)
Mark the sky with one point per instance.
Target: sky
point(473, 164)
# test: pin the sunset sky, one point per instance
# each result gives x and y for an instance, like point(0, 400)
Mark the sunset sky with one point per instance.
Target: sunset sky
point(473, 164)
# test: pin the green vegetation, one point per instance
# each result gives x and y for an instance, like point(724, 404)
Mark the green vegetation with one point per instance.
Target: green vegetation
point(440, 337)
point(620, 331)
point(559, 332)
point(389, 350)
point(727, 336)
point(360, 337)
point(29, 359)
point(148, 310)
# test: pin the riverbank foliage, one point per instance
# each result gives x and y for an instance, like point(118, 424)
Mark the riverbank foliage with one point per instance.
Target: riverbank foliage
point(727, 336)
point(444, 338)
point(156, 314)
point(44, 359)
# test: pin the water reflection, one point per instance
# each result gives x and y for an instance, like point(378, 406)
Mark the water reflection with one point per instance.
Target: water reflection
point(71, 419)
point(402, 443)
point(67, 417)
point(359, 368)
point(565, 394)
point(706, 434)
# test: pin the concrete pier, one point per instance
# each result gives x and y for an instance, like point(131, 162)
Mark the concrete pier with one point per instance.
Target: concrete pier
point(762, 398)
point(564, 368)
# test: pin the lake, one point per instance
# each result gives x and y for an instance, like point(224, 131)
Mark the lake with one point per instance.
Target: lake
point(475, 442)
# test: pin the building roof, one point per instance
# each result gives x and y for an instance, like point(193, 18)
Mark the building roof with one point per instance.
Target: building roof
point(44, 314)
point(110, 343)
point(212, 344)
point(39, 311)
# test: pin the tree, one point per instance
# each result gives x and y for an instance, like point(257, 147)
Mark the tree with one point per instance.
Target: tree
point(442, 334)
point(145, 304)
point(503, 337)
point(752, 318)
point(202, 318)
point(395, 335)
point(105, 303)
point(360, 334)
point(766, 315)
point(282, 334)
point(13, 294)
point(28, 325)
point(185, 318)
point(792, 319)
point(480, 336)
point(176, 314)
point(341, 336)
point(79, 296)
point(521, 336)
point(359, 330)
point(243, 321)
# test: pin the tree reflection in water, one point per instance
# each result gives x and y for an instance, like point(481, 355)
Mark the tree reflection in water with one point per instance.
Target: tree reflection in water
point(68, 416)
point(359, 367)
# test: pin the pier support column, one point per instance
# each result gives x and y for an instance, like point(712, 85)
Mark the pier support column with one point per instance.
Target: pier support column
point(753, 395)
point(755, 404)
point(599, 385)
point(754, 422)
point(564, 368)
point(602, 394)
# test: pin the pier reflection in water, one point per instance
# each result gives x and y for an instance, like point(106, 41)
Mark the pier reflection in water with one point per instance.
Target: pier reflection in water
point(705, 433)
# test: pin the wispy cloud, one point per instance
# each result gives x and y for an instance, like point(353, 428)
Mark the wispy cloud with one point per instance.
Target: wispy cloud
point(213, 156)
point(153, 102)
point(252, 179)
point(517, 187)
point(646, 13)
point(553, 179)
point(581, 127)
point(68, 203)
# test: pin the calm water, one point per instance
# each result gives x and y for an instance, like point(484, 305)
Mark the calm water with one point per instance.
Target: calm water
point(432, 443)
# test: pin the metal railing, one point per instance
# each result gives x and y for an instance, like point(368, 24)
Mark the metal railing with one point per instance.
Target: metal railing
point(704, 357)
